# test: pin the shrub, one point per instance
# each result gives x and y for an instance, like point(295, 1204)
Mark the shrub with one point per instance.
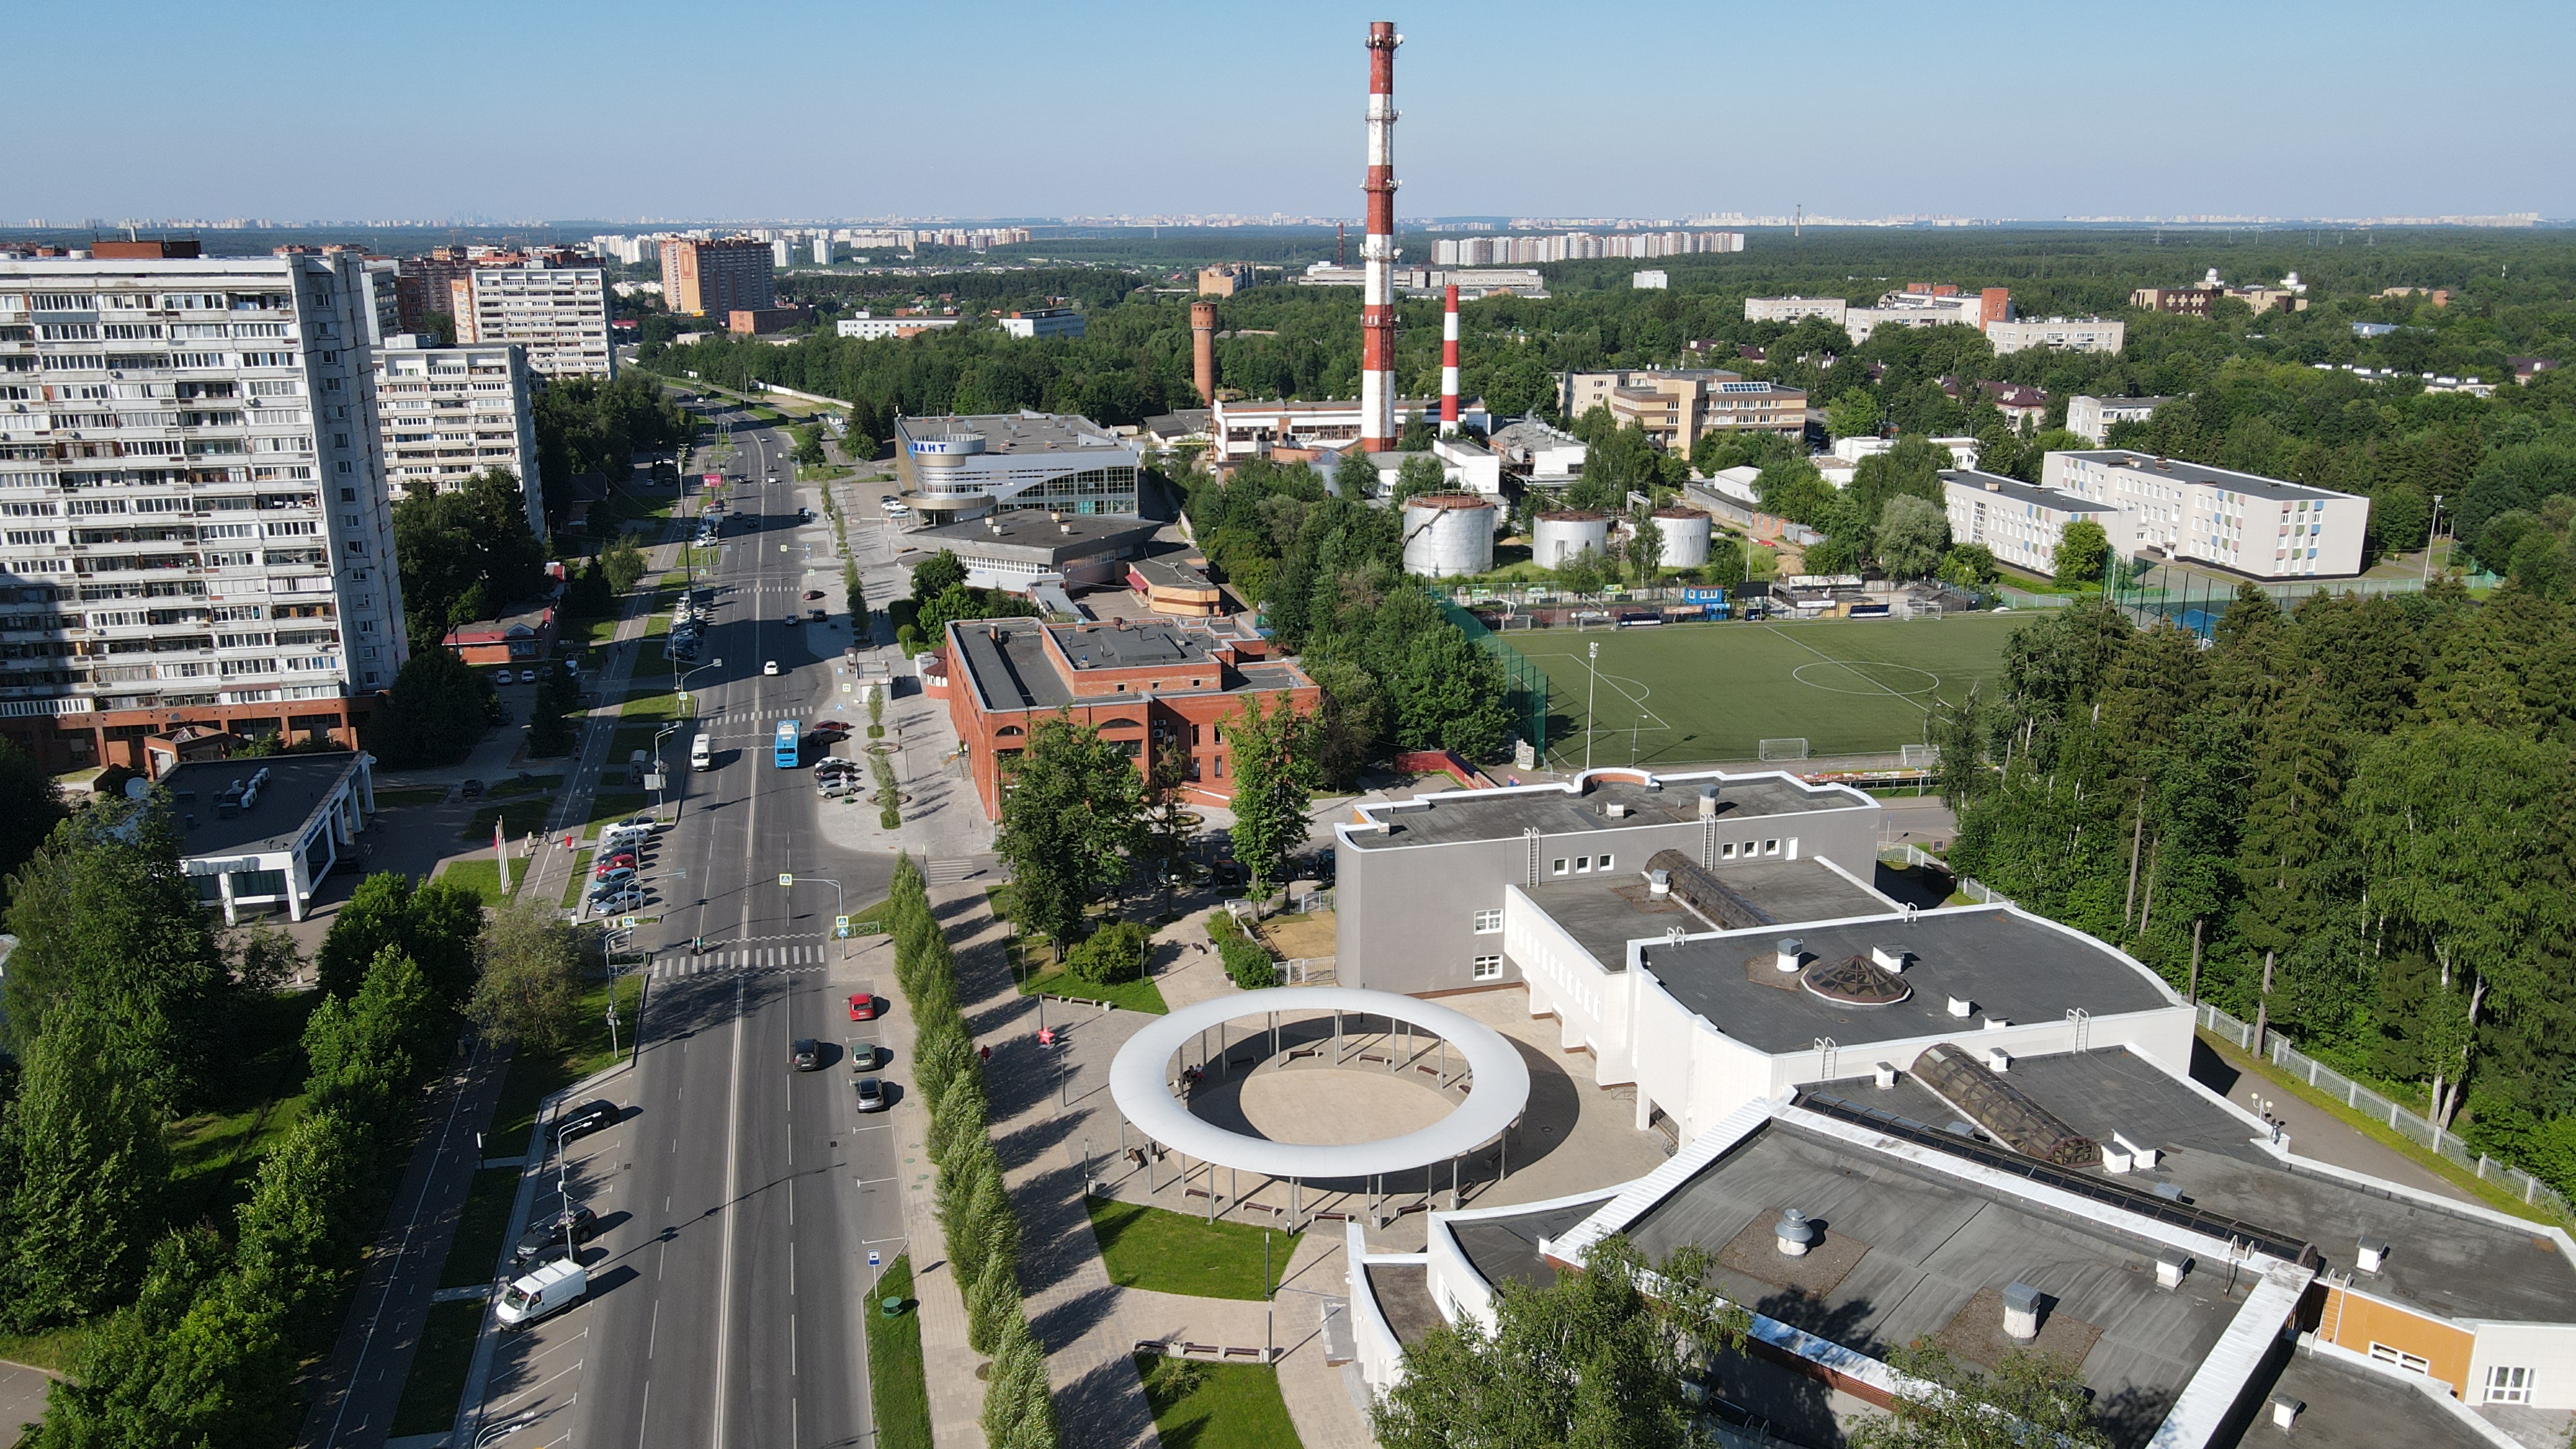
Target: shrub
point(1111, 955)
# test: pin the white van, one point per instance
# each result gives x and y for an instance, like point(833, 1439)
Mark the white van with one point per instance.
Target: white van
point(702, 752)
point(551, 1289)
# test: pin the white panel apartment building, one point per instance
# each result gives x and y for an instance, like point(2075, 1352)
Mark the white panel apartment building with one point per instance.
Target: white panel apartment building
point(2242, 522)
point(2021, 524)
point(448, 413)
point(559, 314)
point(1791, 309)
point(193, 520)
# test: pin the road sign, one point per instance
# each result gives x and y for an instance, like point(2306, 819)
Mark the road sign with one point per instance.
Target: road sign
point(841, 926)
point(873, 1260)
point(626, 923)
point(786, 879)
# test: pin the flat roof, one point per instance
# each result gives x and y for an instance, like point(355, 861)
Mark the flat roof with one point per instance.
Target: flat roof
point(297, 788)
point(2006, 964)
point(1133, 644)
point(2352, 1407)
point(1606, 912)
point(1007, 666)
point(1461, 815)
point(1907, 1254)
point(2201, 473)
point(1170, 573)
point(1505, 1249)
point(1033, 533)
point(1403, 1293)
point(2454, 1263)
point(2020, 492)
point(1020, 432)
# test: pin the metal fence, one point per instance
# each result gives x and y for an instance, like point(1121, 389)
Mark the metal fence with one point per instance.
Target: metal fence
point(2414, 1128)
point(2189, 599)
point(1524, 683)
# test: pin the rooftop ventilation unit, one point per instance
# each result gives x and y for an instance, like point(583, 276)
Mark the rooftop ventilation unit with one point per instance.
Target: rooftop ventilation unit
point(1659, 882)
point(2021, 1312)
point(1891, 958)
point(1790, 955)
point(2286, 1411)
point(1883, 1075)
point(1615, 811)
point(1707, 802)
point(1794, 1234)
point(2171, 1264)
point(2372, 1256)
point(1961, 1007)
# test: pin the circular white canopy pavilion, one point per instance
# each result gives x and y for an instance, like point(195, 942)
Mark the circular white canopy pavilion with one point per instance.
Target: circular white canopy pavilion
point(1141, 1088)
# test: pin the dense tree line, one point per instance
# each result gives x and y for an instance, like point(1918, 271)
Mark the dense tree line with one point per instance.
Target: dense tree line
point(465, 556)
point(973, 1204)
point(588, 425)
point(124, 1011)
point(2354, 821)
point(1328, 572)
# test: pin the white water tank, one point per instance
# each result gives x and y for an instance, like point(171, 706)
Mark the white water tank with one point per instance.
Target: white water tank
point(1447, 535)
point(1685, 532)
point(1560, 536)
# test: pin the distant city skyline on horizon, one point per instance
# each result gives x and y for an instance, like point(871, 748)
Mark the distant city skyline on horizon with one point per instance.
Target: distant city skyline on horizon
point(2015, 111)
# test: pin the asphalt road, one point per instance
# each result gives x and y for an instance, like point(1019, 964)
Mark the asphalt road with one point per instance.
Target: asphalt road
point(739, 1197)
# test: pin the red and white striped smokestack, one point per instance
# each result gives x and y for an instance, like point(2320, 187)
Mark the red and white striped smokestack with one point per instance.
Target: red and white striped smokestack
point(1449, 365)
point(1377, 249)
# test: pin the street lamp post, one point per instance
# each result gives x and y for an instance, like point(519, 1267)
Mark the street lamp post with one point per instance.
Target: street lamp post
point(680, 677)
point(839, 908)
point(1591, 690)
point(2431, 534)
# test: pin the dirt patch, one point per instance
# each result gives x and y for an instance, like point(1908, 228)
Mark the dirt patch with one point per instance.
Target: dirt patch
point(1293, 937)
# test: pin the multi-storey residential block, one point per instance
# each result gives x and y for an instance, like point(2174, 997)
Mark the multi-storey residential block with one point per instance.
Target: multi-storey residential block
point(1676, 406)
point(713, 278)
point(2021, 524)
point(559, 314)
point(2093, 416)
point(1791, 309)
point(2243, 522)
point(449, 413)
point(2066, 334)
point(194, 527)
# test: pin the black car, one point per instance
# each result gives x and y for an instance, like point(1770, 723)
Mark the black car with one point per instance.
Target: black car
point(545, 1240)
point(805, 1054)
point(587, 1118)
point(815, 615)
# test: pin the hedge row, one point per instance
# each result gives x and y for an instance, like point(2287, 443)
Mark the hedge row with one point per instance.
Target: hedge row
point(1247, 961)
point(973, 1205)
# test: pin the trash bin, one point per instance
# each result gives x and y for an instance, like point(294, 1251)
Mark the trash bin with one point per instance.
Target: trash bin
point(890, 1307)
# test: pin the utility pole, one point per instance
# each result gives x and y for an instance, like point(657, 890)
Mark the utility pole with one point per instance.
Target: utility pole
point(2431, 534)
point(1591, 691)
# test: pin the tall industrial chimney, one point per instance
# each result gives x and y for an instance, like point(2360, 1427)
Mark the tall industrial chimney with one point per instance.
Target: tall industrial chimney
point(1449, 365)
point(1377, 250)
point(1203, 350)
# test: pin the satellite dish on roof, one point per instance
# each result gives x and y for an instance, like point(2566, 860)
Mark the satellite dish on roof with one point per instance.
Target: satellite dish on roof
point(137, 788)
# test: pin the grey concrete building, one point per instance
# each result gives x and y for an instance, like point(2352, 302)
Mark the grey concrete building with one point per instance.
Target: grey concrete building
point(1422, 881)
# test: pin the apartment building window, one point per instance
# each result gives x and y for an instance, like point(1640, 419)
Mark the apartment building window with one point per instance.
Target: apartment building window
point(1488, 922)
point(1486, 968)
point(1726, 851)
point(2504, 1385)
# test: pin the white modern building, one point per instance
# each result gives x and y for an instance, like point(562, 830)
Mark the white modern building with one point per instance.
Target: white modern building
point(1540, 454)
point(823, 251)
point(449, 413)
point(956, 468)
point(559, 314)
point(782, 253)
point(1465, 467)
point(2065, 334)
point(1650, 281)
point(2243, 522)
point(1252, 427)
point(265, 832)
point(871, 329)
point(2020, 524)
point(193, 493)
point(1043, 322)
point(2092, 417)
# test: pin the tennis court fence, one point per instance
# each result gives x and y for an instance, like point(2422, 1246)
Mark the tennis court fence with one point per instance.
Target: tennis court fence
point(1524, 683)
point(2189, 599)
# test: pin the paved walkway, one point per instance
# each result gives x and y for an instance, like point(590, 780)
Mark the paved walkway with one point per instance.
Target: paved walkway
point(2314, 1132)
point(22, 1398)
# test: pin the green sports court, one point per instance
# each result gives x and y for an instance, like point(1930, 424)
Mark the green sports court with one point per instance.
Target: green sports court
point(1683, 693)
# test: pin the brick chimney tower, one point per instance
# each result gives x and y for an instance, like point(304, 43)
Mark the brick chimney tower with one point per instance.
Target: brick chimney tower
point(1203, 350)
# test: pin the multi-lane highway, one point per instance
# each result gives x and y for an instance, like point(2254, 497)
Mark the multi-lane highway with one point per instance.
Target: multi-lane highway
point(739, 1196)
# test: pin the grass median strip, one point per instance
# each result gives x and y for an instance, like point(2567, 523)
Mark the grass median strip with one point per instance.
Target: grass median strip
point(438, 1368)
point(1216, 1405)
point(474, 1255)
point(897, 1387)
point(1166, 1252)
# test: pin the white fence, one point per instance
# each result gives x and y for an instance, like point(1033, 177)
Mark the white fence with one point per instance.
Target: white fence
point(2416, 1129)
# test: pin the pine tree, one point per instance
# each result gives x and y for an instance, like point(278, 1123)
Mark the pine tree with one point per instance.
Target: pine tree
point(2293, 817)
point(91, 1171)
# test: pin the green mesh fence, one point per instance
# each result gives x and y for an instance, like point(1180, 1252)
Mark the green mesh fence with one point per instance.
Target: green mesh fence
point(2190, 599)
point(1524, 683)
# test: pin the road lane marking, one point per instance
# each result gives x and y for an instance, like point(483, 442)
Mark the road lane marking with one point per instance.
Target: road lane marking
point(733, 1190)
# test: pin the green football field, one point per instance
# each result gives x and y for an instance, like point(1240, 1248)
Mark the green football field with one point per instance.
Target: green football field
point(1683, 693)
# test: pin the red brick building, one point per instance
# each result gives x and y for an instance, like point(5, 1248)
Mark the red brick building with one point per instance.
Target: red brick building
point(1151, 687)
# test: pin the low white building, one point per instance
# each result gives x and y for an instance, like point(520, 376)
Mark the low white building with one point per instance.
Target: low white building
point(1649, 281)
point(1043, 322)
point(448, 413)
point(871, 329)
point(1465, 467)
point(1542, 455)
point(264, 832)
point(2242, 522)
point(2066, 334)
point(2021, 524)
point(1251, 427)
point(1791, 309)
point(2092, 417)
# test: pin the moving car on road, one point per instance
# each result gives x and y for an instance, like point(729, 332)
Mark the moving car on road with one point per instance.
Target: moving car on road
point(805, 1054)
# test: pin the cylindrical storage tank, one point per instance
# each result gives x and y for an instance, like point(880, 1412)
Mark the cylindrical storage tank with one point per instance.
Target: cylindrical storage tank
point(1447, 535)
point(1685, 532)
point(1562, 535)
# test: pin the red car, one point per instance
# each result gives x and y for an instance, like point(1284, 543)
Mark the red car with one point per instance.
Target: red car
point(624, 860)
point(863, 1007)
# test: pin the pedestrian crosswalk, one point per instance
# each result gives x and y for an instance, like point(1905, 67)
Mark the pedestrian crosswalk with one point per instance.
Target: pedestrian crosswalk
point(726, 960)
point(948, 872)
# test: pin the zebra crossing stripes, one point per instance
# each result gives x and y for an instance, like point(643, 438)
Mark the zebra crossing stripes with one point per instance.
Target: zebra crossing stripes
point(793, 958)
point(948, 872)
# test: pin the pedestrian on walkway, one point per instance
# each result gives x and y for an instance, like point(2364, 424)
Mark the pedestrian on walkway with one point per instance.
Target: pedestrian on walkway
point(986, 1054)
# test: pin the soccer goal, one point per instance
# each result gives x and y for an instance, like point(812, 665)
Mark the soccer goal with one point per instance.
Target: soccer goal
point(1794, 748)
point(1925, 610)
point(1921, 757)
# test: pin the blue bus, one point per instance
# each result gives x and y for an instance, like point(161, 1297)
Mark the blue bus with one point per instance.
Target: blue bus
point(783, 750)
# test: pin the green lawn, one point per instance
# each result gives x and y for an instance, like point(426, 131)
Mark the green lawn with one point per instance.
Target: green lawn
point(438, 1368)
point(1126, 996)
point(651, 701)
point(1169, 1252)
point(483, 877)
point(476, 1250)
point(410, 795)
point(1216, 1405)
point(1694, 692)
point(522, 816)
point(55, 1349)
point(213, 1154)
point(532, 785)
point(897, 1388)
point(579, 877)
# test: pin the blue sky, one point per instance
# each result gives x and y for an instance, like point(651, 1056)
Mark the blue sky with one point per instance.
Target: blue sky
point(1981, 108)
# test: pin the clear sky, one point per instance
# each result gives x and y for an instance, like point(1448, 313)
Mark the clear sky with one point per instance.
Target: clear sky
point(583, 109)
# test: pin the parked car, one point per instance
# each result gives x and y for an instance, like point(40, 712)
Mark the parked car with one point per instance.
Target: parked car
point(863, 1006)
point(554, 1236)
point(622, 860)
point(614, 878)
point(792, 620)
point(816, 616)
point(549, 1290)
point(769, 666)
point(587, 1118)
point(813, 593)
point(470, 790)
point(617, 904)
point(863, 1054)
point(872, 1095)
point(805, 1054)
point(527, 676)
